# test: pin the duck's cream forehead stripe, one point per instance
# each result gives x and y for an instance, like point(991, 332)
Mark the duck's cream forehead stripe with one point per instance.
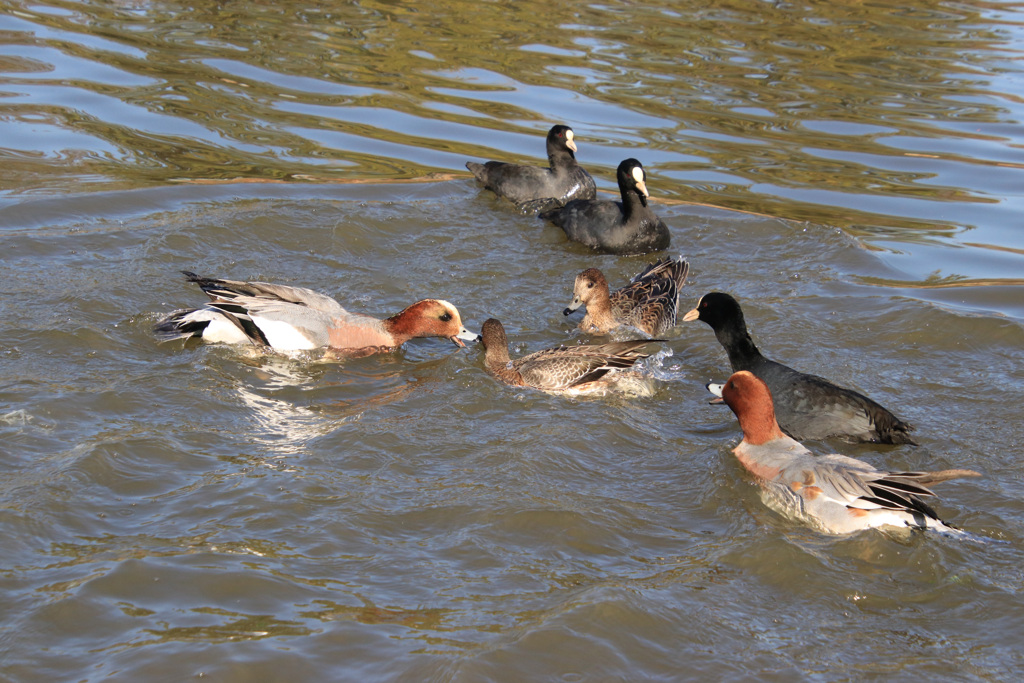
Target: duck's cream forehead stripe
point(451, 309)
point(638, 174)
point(569, 134)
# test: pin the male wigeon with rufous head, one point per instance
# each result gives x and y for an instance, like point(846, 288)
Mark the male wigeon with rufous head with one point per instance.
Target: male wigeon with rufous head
point(285, 318)
point(833, 493)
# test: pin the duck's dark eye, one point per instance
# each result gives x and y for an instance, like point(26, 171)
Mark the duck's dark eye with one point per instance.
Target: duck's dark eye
point(446, 317)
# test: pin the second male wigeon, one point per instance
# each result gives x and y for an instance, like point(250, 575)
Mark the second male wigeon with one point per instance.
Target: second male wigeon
point(833, 493)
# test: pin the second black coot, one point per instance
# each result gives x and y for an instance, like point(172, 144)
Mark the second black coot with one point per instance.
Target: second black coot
point(806, 406)
point(626, 227)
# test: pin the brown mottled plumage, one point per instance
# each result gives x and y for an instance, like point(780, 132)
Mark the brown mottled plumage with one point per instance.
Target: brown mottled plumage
point(569, 369)
point(649, 302)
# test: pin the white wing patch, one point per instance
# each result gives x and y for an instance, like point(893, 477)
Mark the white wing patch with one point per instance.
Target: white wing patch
point(283, 336)
point(220, 330)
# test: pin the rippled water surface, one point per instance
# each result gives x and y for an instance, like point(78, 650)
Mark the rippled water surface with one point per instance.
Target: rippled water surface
point(850, 171)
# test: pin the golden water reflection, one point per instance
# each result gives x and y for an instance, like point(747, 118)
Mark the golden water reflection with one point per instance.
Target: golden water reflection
point(841, 113)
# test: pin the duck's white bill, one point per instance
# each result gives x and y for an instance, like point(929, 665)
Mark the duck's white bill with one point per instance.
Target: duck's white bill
point(467, 335)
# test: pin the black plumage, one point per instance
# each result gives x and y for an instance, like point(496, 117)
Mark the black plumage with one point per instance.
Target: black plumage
point(806, 406)
point(625, 227)
point(534, 188)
